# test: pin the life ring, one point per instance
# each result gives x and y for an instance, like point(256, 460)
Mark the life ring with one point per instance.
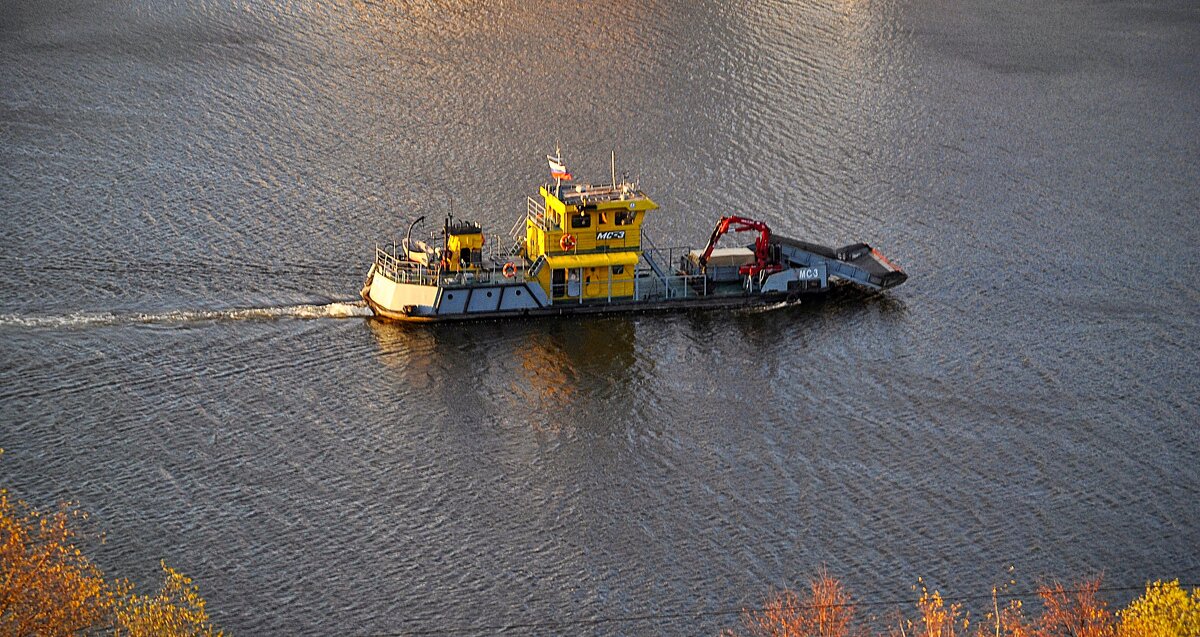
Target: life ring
point(510, 270)
point(567, 242)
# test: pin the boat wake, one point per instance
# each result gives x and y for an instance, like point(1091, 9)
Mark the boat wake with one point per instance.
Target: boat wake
point(771, 308)
point(334, 310)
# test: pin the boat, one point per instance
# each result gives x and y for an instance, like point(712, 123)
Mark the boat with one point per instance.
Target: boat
point(582, 249)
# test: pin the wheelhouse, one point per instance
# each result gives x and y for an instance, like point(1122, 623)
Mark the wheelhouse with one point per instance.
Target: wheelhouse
point(585, 241)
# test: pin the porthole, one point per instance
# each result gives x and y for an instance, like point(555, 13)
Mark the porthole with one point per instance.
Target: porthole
point(489, 295)
point(518, 293)
point(449, 297)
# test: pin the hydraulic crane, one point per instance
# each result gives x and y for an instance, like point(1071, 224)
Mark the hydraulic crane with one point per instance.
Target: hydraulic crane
point(762, 259)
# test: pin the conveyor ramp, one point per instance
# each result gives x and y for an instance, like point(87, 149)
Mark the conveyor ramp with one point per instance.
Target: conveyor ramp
point(857, 263)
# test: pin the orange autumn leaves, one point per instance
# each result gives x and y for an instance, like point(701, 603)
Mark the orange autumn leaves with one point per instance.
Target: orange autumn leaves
point(827, 610)
point(176, 609)
point(49, 587)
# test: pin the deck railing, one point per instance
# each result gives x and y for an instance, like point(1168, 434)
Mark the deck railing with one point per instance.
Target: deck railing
point(680, 286)
point(536, 211)
point(663, 261)
point(401, 270)
point(649, 284)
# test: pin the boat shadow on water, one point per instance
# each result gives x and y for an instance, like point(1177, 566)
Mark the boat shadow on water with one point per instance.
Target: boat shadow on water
point(553, 375)
point(545, 373)
point(590, 347)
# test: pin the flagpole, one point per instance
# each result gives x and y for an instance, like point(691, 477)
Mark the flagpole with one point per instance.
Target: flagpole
point(558, 180)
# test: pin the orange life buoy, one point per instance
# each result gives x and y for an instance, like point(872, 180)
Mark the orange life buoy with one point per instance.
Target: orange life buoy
point(567, 242)
point(510, 270)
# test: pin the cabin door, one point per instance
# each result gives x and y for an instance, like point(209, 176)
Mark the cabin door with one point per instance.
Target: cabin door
point(558, 283)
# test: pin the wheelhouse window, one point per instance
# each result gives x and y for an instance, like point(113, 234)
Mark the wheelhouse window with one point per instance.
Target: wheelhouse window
point(625, 218)
point(582, 220)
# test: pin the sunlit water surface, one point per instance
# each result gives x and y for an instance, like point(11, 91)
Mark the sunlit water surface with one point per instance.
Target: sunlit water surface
point(190, 193)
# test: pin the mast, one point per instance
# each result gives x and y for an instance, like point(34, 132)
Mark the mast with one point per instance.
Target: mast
point(613, 154)
point(558, 180)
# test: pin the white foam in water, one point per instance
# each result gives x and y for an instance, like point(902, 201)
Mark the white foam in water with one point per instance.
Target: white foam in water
point(68, 320)
point(335, 310)
point(764, 308)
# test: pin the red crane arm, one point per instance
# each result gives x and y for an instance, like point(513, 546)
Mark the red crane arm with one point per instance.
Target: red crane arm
point(740, 224)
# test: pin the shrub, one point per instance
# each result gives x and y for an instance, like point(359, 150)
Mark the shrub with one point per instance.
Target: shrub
point(937, 619)
point(1075, 612)
point(47, 585)
point(1164, 610)
point(1007, 621)
point(176, 610)
point(49, 588)
point(827, 611)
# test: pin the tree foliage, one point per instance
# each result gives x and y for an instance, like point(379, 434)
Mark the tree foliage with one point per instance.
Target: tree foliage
point(1076, 610)
point(936, 617)
point(1164, 610)
point(47, 585)
point(826, 611)
point(49, 588)
point(177, 610)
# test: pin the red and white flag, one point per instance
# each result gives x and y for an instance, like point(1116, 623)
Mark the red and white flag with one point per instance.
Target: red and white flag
point(558, 169)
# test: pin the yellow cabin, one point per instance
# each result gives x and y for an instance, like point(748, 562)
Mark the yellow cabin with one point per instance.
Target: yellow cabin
point(464, 246)
point(584, 242)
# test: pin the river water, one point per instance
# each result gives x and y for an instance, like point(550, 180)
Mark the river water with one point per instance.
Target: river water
point(191, 191)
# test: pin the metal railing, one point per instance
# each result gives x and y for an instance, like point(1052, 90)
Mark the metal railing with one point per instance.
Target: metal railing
point(649, 284)
point(663, 260)
point(496, 251)
point(400, 270)
point(536, 211)
point(680, 286)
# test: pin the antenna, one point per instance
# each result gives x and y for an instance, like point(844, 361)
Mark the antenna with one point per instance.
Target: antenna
point(614, 168)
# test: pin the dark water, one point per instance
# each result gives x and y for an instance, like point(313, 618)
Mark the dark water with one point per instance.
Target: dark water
point(191, 190)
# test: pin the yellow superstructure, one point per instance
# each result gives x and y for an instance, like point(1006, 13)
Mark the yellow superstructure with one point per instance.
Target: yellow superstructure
point(584, 242)
point(464, 247)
